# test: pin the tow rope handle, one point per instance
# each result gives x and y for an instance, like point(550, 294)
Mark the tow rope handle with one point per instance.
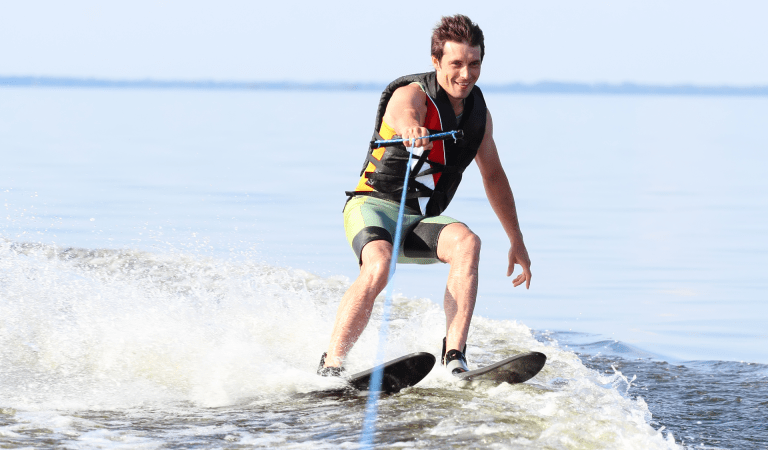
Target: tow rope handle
point(455, 135)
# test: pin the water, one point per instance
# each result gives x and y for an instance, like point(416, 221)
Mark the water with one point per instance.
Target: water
point(171, 262)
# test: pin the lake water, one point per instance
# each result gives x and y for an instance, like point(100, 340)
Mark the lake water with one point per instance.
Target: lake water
point(171, 261)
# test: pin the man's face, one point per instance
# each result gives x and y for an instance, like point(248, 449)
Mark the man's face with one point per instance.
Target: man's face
point(459, 69)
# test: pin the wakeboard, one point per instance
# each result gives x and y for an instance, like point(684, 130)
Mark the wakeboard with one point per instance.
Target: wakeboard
point(516, 369)
point(398, 374)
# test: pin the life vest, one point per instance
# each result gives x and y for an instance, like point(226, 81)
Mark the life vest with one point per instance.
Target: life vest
point(435, 173)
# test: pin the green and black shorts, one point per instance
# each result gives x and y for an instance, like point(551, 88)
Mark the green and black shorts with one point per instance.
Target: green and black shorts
point(368, 219)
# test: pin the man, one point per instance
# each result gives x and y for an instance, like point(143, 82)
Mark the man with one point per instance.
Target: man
point(446, 99)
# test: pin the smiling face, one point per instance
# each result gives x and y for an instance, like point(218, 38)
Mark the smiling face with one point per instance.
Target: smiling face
point(458, 70)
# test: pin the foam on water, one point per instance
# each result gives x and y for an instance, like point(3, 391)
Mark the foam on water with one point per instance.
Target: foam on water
point(131, 326)
point(129, 349)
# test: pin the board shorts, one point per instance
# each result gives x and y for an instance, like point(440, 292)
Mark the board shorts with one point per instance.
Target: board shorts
point(368, 219)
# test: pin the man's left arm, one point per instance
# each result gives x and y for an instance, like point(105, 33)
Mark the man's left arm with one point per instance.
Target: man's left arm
point(502, 201)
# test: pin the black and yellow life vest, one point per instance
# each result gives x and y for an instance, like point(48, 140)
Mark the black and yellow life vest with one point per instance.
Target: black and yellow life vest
point(437, 172)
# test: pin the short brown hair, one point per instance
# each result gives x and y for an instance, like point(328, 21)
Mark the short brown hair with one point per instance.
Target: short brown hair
point(458, 28)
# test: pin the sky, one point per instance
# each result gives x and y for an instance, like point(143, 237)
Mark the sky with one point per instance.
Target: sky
point(651, 42)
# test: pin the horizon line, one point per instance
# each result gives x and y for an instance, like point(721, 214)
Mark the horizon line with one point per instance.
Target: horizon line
point(540, 87)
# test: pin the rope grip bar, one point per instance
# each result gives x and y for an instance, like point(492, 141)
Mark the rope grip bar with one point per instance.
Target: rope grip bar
point(455, 134)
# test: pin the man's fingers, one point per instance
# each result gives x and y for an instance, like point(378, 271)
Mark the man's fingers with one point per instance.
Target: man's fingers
point(523, 277)
point(528, 277)
point(418, 142)
point(415, 137)
point(525, 264)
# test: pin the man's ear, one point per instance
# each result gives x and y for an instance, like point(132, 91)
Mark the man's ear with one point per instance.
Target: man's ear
point(435, 63)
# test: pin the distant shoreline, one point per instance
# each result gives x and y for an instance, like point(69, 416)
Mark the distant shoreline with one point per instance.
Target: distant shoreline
point(542, 87)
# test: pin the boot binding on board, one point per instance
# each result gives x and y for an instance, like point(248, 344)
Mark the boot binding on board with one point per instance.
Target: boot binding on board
point(329, 371)
point(454, 360)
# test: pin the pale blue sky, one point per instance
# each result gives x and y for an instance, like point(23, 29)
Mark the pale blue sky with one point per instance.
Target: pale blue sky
point(660, 42)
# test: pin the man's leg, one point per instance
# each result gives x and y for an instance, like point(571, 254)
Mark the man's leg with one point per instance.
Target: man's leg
point(459, 247)
point(356, 305)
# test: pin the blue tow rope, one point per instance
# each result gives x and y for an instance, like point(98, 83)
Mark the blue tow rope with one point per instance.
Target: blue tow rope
point(371, 407)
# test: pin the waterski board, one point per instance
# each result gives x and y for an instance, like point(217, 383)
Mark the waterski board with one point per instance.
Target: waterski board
point(398, 374)
point(517, 369)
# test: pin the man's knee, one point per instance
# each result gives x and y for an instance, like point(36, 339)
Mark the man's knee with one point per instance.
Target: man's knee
point(469, 242)
point(458, 241)
point(376, 257)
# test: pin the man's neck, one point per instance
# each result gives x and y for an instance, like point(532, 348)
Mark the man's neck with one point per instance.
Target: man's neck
point(457, 104)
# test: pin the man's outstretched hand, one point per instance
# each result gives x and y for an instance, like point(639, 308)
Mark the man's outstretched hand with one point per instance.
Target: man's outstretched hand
point(519, 255)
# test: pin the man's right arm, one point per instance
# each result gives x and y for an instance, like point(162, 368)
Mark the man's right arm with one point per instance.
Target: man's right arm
point(406, 113)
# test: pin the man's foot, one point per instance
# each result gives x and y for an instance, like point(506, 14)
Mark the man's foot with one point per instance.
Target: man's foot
point(328, 371)
point(454, 360)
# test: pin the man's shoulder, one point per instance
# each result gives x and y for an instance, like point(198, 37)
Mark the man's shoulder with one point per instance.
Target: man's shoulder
point(415, 77)
point(411, 89)
point(422, 80)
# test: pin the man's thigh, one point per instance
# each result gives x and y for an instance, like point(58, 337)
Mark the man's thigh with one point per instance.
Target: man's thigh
point(368, 219)
point(421, 242)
